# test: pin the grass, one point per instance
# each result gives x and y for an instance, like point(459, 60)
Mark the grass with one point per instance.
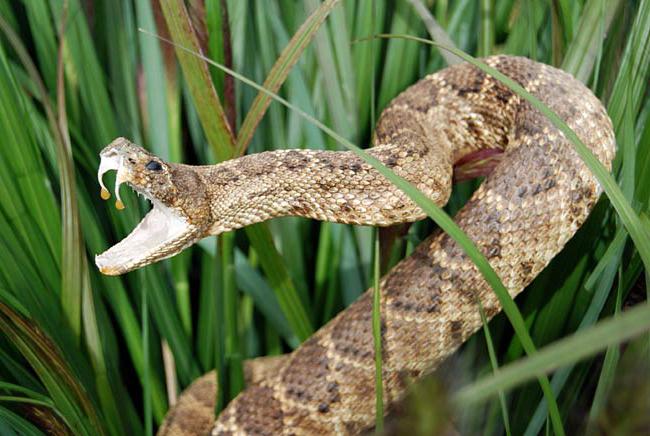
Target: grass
point(88, 346)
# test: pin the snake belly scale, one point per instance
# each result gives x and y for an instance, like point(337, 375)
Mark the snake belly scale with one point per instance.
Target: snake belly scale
point(520, 217)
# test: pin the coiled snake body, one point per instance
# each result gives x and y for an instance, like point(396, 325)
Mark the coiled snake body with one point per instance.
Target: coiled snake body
point(520, 218)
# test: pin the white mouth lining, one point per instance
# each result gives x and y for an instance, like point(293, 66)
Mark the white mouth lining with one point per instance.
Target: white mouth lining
point(159, 227)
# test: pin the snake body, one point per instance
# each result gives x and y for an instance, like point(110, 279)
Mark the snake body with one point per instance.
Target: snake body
point(520, 218)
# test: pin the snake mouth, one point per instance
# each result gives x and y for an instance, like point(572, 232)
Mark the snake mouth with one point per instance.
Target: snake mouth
point(162, 233)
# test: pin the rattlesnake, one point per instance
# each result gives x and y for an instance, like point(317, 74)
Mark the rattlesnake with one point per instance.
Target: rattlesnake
point(520, 218)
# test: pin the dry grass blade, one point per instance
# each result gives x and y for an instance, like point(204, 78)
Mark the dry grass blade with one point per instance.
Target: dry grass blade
point(207, 103)
point(436, 32)
point(68, 395)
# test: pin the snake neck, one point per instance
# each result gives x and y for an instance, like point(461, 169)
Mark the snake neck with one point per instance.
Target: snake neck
point(324, 185)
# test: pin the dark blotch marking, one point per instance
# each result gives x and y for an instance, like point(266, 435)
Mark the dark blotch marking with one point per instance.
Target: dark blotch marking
point(436, 270)
point(548, 184)
point(327, 163)
point(264, 193)
point(473, 86)
point(433, 305)
point(527, 128)
point(493, 250)
point(503, 96)
point(521, 192)
point(391, 162)
point(490, 311)
point(350, 166)
point(473, 128)
point(421, 256)
point(250, 403)
point(420, 97)
point(323, 408)
point(576, 196)
point(295, 160)
point(301, 210)
point(230, 176)
point(345, 207)
point(526, 267)
point(455, 329)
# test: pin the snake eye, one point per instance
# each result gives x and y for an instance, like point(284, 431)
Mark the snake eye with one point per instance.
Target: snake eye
point(152, 165)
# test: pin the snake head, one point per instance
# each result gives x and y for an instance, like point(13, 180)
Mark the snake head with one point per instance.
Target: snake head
point(179, 216)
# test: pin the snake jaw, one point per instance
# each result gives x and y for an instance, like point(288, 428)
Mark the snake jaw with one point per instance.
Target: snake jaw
point(164, 231)
point(161, 234)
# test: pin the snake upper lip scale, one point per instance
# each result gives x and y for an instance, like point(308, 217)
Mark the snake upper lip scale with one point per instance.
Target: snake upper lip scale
point(534, 200)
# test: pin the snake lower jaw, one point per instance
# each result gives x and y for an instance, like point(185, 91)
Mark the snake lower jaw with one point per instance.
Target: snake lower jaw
point(162, 233)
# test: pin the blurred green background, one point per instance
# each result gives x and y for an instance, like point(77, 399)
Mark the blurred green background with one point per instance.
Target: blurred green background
point(104, 355)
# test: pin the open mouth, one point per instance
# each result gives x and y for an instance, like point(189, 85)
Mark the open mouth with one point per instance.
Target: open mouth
point(162, 233)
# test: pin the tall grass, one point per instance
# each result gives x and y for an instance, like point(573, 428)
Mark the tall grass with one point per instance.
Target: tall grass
point(87, 350)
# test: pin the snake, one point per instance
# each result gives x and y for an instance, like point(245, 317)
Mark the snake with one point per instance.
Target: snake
point(522, 214)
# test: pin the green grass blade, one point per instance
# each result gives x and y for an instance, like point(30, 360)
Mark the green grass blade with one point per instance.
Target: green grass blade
point(341, 119)
point(584, 48)
point(377, 337)
point(232, 353)
point(280, 71)
point(606, 378)
point(85, 77)
point(571, 349)
point(207, 103)
point(12, 421)
point(400, 58)
point(486, 36)
point(74, 275)
point(71, 399)
point(340, 36)
point(601, 280)
point(251, 282)
point(40, 21)
point(280, 281)
point(495, 367)
point(156, 115)
point(146, 385)
point(636, 59)
point(122, 67)
point(369, 19)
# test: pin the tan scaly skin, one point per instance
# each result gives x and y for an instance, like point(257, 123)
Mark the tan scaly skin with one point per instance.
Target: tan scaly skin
point(521, 216)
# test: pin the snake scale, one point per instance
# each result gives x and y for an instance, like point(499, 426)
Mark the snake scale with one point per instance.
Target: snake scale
point(520, 217)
